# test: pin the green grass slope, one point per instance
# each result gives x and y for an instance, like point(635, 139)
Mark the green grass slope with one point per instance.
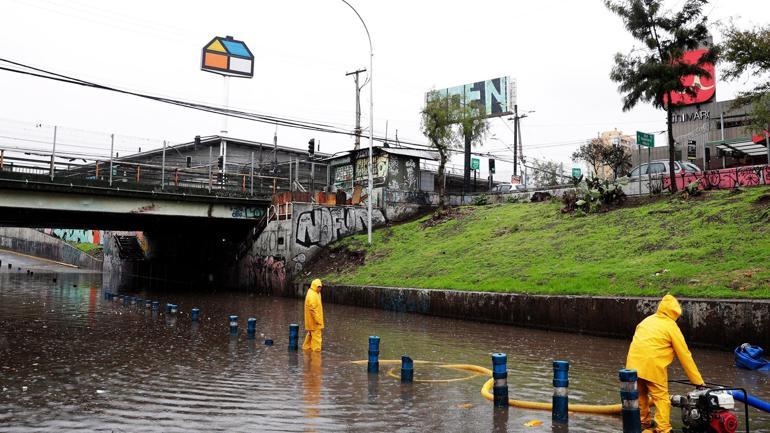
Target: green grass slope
point(717, 245)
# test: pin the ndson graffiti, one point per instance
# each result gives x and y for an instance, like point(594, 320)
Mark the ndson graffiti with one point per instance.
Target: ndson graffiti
point(320, 226)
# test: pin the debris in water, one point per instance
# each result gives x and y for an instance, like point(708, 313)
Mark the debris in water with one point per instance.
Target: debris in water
point(24, 388)
point(533, 423)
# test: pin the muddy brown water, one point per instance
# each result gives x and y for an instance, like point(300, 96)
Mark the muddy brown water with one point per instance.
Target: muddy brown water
point(72, 361)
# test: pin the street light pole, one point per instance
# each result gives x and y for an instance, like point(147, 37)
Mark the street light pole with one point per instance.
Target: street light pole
point(371, 125)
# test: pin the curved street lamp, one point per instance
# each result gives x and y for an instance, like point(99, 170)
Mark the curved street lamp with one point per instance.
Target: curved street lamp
point(371, 126)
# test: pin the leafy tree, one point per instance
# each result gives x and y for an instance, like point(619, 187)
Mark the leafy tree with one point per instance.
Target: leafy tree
point(545, 172)
point(653, 72)
point(747, 52)
point(448, 124)
point(592, 153)
point(618, 158)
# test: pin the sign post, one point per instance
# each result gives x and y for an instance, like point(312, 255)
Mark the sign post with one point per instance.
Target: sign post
point(648, 141)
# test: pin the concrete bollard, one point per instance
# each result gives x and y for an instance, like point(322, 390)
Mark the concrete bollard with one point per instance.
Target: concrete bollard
point(629, 399)
point(373, 366)
point(194, 315)
point(407, 369)
point(155, 305)
point(560, 408)
point(173, 308)
point(500, 375)
point(293, 337)
point(251, 327)
point(233, 325)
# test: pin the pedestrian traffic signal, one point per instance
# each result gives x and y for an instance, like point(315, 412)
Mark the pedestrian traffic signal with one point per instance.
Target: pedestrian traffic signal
point(491, 166)
point(311, 147)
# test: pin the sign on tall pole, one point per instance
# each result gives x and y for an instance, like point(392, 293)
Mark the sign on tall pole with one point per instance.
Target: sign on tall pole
point(645, 139)
point(229, 58)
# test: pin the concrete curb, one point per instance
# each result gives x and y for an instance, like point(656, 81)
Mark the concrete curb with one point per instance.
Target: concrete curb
point(718, 323)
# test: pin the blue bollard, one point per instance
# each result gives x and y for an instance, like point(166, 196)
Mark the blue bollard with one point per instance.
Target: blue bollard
point(268, 342)
point(155, 305)
point(233, 325)
point(629, 398)
point(251, 327)
point(148, 303)
point(132, 300)
point(373, 366)
point(140, 302)
point(293, 337)
point(172, 308)
point(194, 315)
point(560, 408)
point(407, 369)
point(168, 307)
point(500, 375)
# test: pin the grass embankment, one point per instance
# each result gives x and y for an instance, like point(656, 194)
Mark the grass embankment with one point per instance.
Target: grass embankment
point(717, 245)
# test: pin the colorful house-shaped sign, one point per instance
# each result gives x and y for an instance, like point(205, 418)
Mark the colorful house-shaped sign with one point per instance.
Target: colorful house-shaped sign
point(226, 56)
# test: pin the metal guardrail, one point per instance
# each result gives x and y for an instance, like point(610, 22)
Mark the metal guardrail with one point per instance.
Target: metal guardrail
point(237, 181)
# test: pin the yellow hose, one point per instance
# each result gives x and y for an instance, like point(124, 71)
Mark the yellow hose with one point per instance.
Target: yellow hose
point(608, 409)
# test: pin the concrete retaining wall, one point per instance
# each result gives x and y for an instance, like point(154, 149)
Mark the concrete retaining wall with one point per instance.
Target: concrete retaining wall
point(719, 323)
point(35, 243)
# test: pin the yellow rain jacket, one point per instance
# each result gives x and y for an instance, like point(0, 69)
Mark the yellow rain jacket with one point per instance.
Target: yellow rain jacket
point(656, 340)
point(314, 311)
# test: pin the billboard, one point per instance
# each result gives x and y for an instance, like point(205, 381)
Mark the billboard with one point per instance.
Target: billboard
point(226, 56)
point(497, 96)
point(705, 88)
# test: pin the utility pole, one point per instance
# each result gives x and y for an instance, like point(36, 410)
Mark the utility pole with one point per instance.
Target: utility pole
point(357, 131)
point(515, 138)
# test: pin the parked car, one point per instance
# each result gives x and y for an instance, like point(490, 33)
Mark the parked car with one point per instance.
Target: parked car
point(660, 167)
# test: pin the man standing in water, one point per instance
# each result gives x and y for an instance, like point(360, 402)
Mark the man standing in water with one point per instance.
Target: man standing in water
point(656, 340)
point(314, 317)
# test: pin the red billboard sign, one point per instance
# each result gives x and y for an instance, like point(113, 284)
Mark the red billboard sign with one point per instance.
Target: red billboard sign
point(704, 87)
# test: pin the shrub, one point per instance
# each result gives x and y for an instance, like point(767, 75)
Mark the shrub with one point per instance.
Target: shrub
point(592, 195)
point(481, 200)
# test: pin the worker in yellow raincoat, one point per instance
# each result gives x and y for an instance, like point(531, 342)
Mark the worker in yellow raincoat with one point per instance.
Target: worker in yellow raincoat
point(314, 317)
point(656, 340)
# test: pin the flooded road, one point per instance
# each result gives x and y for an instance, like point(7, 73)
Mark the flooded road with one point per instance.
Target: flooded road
point(72, 361)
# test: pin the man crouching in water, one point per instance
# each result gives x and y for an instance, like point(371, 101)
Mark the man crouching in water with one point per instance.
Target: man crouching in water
point(656, 340)
point(314, 317)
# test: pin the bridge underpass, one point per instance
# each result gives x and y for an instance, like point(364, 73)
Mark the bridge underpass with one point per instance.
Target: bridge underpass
point(189, 240)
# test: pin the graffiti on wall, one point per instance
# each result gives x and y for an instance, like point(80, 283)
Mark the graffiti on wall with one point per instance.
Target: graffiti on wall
point(402, 174)
point(726, 178)
point(323, 225)
point(263, 272)
point(247, 212)
point(379, 169)
point(76, 235)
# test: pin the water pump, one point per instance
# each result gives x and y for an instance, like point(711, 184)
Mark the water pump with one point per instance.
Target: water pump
point(707, 411)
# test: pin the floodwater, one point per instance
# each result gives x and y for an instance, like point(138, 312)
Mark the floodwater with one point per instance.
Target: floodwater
point(72, 361)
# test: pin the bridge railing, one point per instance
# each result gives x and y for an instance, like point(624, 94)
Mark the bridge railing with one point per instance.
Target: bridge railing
point(125, 174)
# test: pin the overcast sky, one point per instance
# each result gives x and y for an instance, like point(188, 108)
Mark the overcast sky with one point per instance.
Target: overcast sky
point(560, 52)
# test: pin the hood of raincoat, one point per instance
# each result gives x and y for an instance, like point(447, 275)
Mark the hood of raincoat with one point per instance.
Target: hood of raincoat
point(669, 307)
point(317, 284)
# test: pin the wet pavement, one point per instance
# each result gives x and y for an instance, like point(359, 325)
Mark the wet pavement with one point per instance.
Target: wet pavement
point(72, 361)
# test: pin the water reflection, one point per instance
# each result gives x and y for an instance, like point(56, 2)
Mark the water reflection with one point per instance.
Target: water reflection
point(92, 364)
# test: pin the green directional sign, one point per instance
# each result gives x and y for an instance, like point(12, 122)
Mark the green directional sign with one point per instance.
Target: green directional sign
point(475, 163)
point(645, 139)
point(576, 172)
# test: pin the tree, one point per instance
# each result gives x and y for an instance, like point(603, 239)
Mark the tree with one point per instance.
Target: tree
point(618, 158)
point(545, 172)
point(448, 123)
point(654, 72)
point(592, 153)
point(747, 52)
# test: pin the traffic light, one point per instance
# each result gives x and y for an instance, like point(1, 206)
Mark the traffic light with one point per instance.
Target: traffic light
point(197, 140)
point(311, 147)
point(220, 161)
point(491, 166)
